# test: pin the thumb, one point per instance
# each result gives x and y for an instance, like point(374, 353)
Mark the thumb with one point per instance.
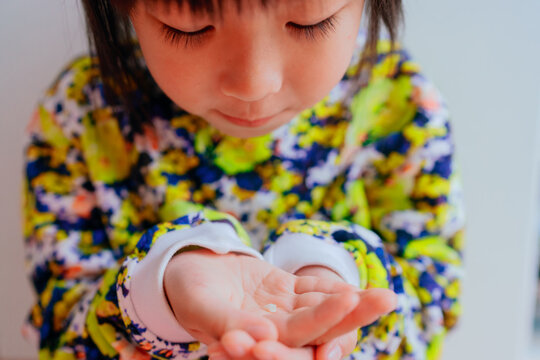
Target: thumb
point(374, 303)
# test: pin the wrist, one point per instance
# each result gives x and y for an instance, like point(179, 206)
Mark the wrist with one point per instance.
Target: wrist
point(178, 266)
point(188, 262)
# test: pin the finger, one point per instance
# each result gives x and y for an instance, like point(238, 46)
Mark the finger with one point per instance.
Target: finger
point(216, 351)
point(274, 350)
point(257, 326)
point(219, 356)
point(303, 326)
point(237, 343)
point(337, 348)
point(306, 284)
point(309, 299)
point(373, 304)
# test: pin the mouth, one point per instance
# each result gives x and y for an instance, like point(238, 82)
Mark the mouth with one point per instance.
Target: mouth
point(247, 122)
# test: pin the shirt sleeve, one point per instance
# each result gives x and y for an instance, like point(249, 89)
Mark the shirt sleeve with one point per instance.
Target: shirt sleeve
point(98, 271)
point(395, 218)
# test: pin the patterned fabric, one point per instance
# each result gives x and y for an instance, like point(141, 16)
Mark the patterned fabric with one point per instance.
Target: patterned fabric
point(370, 168)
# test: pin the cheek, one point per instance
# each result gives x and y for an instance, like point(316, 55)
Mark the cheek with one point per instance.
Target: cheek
point(180, 78)
point(183, 78)
point(324, 66)
point(174, 80)
point(315, 75)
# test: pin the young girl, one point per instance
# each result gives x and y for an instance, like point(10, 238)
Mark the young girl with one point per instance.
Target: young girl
point(242, 180)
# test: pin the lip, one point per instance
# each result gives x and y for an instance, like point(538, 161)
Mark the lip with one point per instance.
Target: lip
point(246, 122)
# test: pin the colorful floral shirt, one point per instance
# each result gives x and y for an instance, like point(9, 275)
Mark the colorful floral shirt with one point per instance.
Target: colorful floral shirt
point(369, 169)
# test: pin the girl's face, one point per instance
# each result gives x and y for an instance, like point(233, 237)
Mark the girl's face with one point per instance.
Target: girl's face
point(248, 72)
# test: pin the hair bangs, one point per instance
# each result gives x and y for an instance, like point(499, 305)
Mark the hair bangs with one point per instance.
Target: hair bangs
point(212, 8)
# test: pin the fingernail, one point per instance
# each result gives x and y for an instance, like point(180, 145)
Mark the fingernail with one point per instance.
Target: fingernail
point(236, 350)
point(395, 304)
point(262, 354)
point(335, 353)
point(256, 331)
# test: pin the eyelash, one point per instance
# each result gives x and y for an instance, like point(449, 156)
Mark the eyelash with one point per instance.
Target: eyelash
point(175, 36)
point(192, 39)
point(311, 32)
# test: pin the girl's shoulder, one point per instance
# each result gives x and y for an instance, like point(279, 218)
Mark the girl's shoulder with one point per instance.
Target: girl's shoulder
point(380, 93)
point(393, 94)
point(79, 81)
point(73, 100)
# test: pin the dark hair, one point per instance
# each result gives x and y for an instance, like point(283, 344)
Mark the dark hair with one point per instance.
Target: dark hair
point(111, 39)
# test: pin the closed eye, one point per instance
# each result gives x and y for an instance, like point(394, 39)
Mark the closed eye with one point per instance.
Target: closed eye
point(312, 32)
point(316, 31)
point(189, 38)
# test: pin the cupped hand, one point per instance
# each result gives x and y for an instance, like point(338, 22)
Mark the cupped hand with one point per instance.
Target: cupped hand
point(212, 294)
point(238, 345)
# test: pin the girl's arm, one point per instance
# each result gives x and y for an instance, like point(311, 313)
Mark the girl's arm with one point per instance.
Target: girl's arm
point(395, 216)
point(95, 261)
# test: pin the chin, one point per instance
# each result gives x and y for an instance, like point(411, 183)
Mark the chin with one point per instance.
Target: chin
point(243, 132)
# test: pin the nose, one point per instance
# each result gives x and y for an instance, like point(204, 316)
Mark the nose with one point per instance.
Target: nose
point(252, 70)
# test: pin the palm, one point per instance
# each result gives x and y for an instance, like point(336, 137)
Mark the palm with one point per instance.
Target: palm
point(212, 294)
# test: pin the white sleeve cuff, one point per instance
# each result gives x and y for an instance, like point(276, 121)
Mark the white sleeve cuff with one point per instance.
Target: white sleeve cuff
point(147, 294)
point(291, 252)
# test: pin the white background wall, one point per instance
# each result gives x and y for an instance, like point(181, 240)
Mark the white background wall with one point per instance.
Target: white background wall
point(485, 57)
point(37, 38)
